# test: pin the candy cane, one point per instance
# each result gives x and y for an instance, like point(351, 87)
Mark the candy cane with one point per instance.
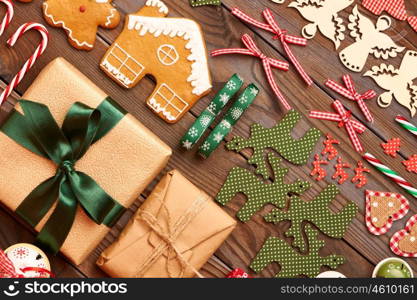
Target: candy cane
point(31, 61)
point(8, 17)
point(404, 123)
point(394, 176)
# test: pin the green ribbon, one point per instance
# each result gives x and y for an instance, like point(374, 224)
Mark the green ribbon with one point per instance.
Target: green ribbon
point(38, 132)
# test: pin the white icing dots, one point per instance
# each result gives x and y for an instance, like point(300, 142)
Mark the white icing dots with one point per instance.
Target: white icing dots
point(375, 204)
point(158, 3)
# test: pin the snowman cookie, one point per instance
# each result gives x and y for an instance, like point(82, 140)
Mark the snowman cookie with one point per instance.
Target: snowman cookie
point(28, 256)
point(382, 209)
point(81, 19)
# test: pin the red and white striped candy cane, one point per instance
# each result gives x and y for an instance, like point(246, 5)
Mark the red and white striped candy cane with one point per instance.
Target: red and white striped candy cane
point(31, 61)
point(8, 17)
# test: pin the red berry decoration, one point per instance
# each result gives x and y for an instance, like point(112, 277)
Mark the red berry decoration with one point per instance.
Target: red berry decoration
point(392, 147)
point(411, 164)
point(82, 8)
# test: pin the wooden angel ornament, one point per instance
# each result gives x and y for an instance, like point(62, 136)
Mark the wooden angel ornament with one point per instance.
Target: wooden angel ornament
point(398, 82)
point(323, 15)
point(369, 39)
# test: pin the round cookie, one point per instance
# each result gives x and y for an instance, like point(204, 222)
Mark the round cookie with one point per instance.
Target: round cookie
point(28, 256)
point(81, 19)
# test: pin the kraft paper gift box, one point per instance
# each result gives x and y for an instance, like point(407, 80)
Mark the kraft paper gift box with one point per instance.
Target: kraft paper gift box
point(173, 234)
point(122, 163)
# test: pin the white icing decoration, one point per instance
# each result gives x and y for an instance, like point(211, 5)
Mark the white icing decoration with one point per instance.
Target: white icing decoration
point(113, 13)
point(167, 55)
point(161, 5)
point(116, 71)
point(29, 259)
point(162, 109)
point(189, 31)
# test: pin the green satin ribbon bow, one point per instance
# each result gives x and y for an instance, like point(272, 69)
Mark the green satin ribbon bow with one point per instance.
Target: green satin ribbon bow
point(38, 132)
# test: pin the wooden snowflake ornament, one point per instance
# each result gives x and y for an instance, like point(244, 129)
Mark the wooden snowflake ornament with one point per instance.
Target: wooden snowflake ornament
point(392, 147)
point(369, 39)
point(397, 82)
point(323, 15)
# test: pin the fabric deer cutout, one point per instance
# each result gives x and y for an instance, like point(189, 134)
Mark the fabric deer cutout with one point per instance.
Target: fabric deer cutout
point(292, 263)
point(278, 138)
point(323, 15)
point(258, 193)
point(369, 39)
point(398, 82)
point(316, 211)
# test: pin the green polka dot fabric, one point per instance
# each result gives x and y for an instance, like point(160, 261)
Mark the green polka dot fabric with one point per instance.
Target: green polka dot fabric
point(292, 263)
point(258, 193)
point(316, 211)
point(207, 117)
point(278, 138)
point(204, 2)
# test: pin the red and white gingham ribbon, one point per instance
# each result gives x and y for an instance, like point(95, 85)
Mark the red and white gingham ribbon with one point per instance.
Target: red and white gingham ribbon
point(344, 118)
point(280, 34)
point(31, 61)
point(8, 270)
point(267, 62)
point(351, 93)
point(8, 17)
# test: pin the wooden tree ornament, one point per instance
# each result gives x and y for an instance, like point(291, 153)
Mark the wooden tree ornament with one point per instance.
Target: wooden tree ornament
point(323, 15)
point(316, 211)
point(397, 82)
point(278, 138)
point(292, 263)
point(369, 39)
point(258, 193)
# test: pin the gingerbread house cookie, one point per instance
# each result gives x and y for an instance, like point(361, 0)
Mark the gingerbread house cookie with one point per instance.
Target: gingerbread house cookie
point(172, 50)
point(81, 19)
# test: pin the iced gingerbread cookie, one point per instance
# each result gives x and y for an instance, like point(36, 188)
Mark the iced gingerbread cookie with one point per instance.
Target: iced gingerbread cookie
point(29, 261)
point(81, 19)
point(382, 209)
point(172, 50)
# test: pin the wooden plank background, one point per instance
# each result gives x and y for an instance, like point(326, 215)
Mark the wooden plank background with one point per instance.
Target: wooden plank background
point(362, 250)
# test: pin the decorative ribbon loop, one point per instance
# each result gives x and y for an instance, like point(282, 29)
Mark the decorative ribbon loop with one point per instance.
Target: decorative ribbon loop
point(344, 118)
point(280, 34)
point(8, 270)
point(253, 50)
point(38, 132)
point(349, 91)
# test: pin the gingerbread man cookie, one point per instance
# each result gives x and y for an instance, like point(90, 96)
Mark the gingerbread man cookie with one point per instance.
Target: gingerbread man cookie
point(172, 50)
point(81, 18)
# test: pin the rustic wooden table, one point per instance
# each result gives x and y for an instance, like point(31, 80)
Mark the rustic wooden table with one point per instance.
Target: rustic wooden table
point(362, 250)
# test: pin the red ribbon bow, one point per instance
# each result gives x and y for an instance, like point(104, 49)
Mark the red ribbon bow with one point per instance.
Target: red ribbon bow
point(344, 118)
point(267, 62)
point(8, 270)
point(351, 93)
point(280, 34)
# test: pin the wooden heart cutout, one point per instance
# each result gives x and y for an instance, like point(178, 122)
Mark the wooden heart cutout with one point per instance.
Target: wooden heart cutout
point(404, 242)
point(382, 209)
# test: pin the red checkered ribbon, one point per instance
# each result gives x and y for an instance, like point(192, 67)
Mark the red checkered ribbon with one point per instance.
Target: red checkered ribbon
point(280, 34)
point(8, 270)
point(268, 63)
point(344, 118)
point(350, 92)
point(395, 8)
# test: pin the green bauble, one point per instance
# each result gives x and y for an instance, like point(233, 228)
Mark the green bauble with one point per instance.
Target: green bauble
point(393, 269)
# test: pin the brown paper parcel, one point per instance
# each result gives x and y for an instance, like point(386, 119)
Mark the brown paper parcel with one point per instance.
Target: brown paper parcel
point(198, 237)
point(123, 162)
